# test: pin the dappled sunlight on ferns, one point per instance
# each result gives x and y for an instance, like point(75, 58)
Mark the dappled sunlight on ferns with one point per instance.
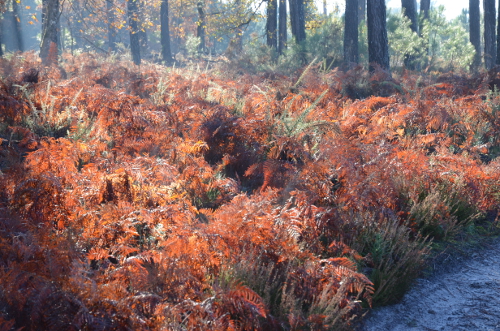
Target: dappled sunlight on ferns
point(182, 199)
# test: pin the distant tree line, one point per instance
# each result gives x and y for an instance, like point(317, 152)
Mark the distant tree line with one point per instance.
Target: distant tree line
point(135, 24)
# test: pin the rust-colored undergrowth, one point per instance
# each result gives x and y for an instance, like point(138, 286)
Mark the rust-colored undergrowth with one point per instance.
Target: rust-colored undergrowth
point(171, 199)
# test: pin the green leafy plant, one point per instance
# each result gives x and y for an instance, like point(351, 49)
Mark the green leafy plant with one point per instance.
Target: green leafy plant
point(441, 45)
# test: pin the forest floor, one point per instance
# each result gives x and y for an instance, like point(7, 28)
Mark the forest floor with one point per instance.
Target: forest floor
point(185, 199)
point(463, 293)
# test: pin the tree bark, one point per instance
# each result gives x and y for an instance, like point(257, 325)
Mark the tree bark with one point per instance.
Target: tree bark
point(498, 35)
point(272, 23)
point(361, 11)
point(410, 11)
point(301, 22)
point(475, 34)
point(201, 27)
point(50, 20)
point(282, 27)
point(166, 52)
point(60, 40)
point(110, 15)
point(425, 6)
point(8, 28)
point(297, 20)
point(293, 16)
point(351, 54)
point(133, 16)
point(489, 33)
point(378, 48)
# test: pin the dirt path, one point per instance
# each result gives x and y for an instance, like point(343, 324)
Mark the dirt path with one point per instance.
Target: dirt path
point(466, 296)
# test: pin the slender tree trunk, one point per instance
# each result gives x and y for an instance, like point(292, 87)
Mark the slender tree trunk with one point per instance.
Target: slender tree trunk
point(8, 30)
point(110, 14)
point(1, 32)
point(143, 42)
point(425, 6)
point(43, 11)
point(351, 54)
point(378, 48)
point(489, 33)
point(293, 16)
point(133, 16)
point(498, 35)
point(60, 40)
point(50, 20)
point(297, 20)
point(301, 21)
point(282, 27)
point(165, 33)
point(201, 27)
point(325, 11)
point(361, 11)
point(71, 30)
point(272, 24)
point(475, 34)
point(17, 25)
point(410, 11)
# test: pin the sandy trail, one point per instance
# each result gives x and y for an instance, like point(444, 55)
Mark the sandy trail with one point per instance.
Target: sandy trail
point(465, 296)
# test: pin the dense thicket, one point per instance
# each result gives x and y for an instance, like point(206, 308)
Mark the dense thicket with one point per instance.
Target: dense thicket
point(183, 198)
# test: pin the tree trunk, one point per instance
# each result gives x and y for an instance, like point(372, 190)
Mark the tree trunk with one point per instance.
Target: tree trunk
point(410, 11)
point(17, 25)
point(282, 27)
point(378, 48)
point(165, 33)
point(325, 11)
point(351, 32)
point(8, 28)
point(50, 20)
point(498, 35)
point(60, 40)
point(272, 23)
point(425, 6)
point(143, 36)
point(301, 21)
point(475, 34)
point(361, 11)
point(110, 15)
point(133, 16)
point(297, 20)
point(489, 33)
point(201, 27)
point(293, 16)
